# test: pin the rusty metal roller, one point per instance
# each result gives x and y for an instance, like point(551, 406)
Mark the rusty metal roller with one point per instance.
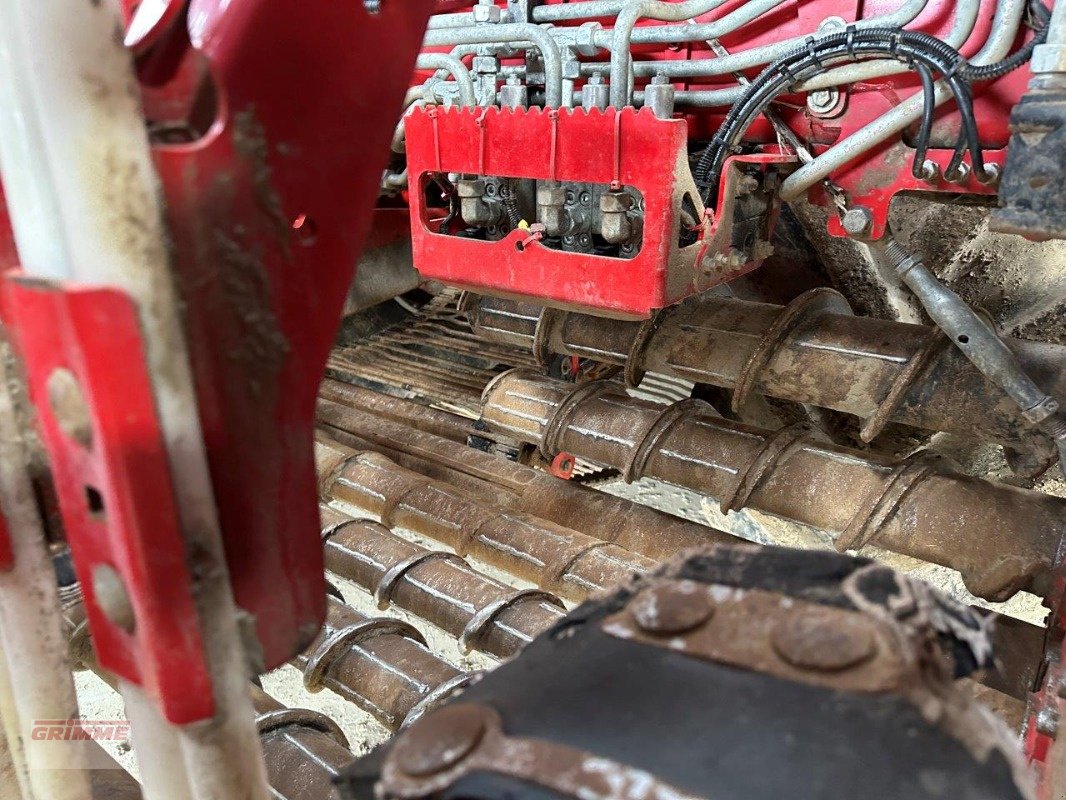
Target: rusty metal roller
point(516, 487)
point(304, 750)
point(812, 351)
point(441, 587)
point(1001, 538)
point(557, 559)
point(380, 664)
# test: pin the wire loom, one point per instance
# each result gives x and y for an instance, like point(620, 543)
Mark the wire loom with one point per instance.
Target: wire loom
point(918, 51)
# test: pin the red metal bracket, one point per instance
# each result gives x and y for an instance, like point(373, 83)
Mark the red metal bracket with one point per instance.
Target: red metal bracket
point(268, 211)
point(88, 380)
point(647, 153)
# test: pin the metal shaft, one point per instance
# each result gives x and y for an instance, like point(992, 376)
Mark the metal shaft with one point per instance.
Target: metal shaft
point(812, 351)
point(558, 559)
point(507, 485)
point(381, 664)
point(440, 587)
point(1002, 539)
point(414, 415)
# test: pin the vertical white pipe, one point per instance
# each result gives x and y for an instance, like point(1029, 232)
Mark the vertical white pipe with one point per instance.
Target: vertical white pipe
point(31, 632)
point(14, 774)
point(80, 86)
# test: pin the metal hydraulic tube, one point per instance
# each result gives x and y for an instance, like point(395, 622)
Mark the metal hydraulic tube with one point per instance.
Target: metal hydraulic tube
point(1002, 539)
point(812, 351)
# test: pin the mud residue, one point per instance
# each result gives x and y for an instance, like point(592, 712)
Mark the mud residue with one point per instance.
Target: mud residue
point(250, 142)
point(263, 347)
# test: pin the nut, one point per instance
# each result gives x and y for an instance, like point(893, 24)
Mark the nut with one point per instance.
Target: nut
point(486, 13)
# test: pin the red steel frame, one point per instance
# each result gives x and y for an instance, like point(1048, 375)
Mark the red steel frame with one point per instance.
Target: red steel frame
point(268, 211)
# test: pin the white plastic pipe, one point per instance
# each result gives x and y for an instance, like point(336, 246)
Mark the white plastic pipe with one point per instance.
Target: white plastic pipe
point(31, 632)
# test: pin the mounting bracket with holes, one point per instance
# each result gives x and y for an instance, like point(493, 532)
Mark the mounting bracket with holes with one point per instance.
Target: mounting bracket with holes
point(87, 377)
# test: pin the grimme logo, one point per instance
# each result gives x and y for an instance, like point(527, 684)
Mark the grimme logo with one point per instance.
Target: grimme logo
point(75, 730)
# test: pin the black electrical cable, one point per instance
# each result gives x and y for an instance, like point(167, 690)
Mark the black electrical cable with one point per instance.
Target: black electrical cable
point(816, 57)
point(924, 53)
point(925, 130)
point(987, 72)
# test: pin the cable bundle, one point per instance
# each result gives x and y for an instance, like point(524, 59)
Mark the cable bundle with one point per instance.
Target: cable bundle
point(920, 52)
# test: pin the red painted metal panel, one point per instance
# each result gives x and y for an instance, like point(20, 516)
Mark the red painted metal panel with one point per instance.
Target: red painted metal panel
point(114, 484)
point(635, 149)
point(268, 213)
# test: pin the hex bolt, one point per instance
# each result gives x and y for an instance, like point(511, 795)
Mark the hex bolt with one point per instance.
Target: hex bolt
point(823, 102)
point(857, 221)
point(69, 406)
point(821, 642)
point(440, 740)
point(111, 596)
point(372, 6)
point(672, 608)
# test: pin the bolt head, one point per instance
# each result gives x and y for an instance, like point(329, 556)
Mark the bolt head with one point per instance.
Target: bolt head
point(961, 175)
point(992, 174)
point(823, 643)
point(822, 101)
point(858, 221)
point(440, 740)
point(668, 609)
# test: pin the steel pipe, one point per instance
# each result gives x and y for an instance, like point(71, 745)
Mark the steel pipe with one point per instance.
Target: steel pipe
point(513, 487)
point(458, 71)
point(513, 33)
point(965, 19)
point(759, 56)
point(482, 613)
point(621, 36)
point(1002, 539)
point(557, 559)
point(812, 351)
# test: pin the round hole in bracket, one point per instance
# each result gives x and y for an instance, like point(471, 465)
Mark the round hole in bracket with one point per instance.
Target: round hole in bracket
point(69, 406)
point(963, 339)
point(110, 594)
